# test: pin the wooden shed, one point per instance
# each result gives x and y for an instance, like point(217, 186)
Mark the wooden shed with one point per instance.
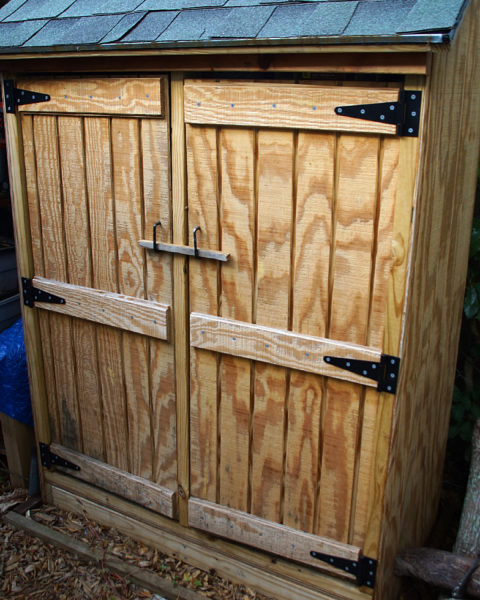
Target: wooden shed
point(242, 230)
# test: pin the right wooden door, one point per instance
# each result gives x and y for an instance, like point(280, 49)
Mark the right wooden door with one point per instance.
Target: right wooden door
point(285, 446)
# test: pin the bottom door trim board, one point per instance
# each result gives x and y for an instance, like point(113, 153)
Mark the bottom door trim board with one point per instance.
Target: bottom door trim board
point(265, 535)
point(137, 489)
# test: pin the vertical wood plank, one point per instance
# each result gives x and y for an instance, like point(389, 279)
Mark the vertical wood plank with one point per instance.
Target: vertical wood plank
point(156, 193)
point(129, 228)
point(78, 250)
point(54, 253)
point(356, 194)
point(180, 294)
point(98, 159)
point(315, 179)
point(373, 435)
point(38, 268)
point(274, 238)
point(203, 197)
point(237, 151)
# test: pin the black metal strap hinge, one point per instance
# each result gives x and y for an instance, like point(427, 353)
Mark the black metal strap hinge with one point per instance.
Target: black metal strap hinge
point(384, 372)
point(32, 294)
point(49, 459)
point(405, 113)
point(364, 569)
point(15, 97)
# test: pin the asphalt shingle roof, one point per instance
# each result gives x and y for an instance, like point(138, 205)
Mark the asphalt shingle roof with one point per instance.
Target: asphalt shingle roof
point(94, 24)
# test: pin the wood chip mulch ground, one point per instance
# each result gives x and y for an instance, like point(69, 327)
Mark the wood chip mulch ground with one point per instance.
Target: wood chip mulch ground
point(33, 570)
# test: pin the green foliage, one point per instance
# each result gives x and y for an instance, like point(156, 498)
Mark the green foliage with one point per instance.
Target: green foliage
point(466, 397)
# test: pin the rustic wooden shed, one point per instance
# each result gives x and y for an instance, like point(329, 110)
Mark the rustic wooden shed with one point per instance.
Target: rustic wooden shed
point(242, 230)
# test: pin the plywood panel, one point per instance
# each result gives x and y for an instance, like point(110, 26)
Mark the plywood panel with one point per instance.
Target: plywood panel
point(236, 163)
point(356, 196)
point(203, 212)
point(275, 105)
point(128, 218)
point(135, 96)
point(159, 287)
point(98, 169)
point(313, 230)
point(275, 172)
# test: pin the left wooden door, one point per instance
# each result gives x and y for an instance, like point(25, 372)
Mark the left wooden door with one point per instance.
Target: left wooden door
point(97, 177)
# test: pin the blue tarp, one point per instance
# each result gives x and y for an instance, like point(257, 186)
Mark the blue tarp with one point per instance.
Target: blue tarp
point(14, 390)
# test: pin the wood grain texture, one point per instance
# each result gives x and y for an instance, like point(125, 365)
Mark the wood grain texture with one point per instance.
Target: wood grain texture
point(180, 294)
point(437, 275)
point(155, 150)
point(356, 196)
point(275, 173)
point(277, 346)
point(253, 531)
point(129, 96)
point(79, 264)
point(372, 432)
point(276, 105)
point(203, 198)
point(98, 168)
point(55, 265)
point(107, 308)
point(32, 219)
point(313, 230)
point(127, 181)
point(237, 213)
point(137, 489)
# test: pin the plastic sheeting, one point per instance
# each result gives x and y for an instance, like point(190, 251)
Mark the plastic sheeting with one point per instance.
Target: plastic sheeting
point(14, 390)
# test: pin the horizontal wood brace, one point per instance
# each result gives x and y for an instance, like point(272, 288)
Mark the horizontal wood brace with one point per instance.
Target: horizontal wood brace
point(186, 250)
point(285, 106)
point(142, 96)
point(278, 347)
point(265, 535)
point(107, 308)
point(137, 489)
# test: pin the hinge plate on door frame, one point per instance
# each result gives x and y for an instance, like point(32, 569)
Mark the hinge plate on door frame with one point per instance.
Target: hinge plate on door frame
point(50, 459)
point(384, 372)
point(32, 294)
point(405, 113)
point(15, 97)
point(365, 569)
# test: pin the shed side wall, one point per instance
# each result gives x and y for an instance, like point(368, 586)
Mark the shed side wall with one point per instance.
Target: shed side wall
point(440, 247)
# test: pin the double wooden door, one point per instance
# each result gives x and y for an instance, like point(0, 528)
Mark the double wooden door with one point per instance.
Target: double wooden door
point(286, 451)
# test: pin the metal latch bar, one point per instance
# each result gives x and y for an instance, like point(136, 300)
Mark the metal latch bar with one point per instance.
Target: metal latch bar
point(385, 372)
point(32, 294)
point(15, 96)
point(364, 569)
point(50, 459)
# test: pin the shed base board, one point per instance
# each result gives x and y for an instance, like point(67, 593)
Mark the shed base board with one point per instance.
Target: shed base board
point(266, 574)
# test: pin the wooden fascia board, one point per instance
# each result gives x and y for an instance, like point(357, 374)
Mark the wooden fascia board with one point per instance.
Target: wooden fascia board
point(342, 59)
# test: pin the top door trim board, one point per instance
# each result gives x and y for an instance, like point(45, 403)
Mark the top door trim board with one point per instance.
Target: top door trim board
point(116, 96)
point(283, 106)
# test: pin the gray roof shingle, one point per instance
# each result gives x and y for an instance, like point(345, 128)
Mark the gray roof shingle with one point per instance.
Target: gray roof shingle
point(85, 24)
